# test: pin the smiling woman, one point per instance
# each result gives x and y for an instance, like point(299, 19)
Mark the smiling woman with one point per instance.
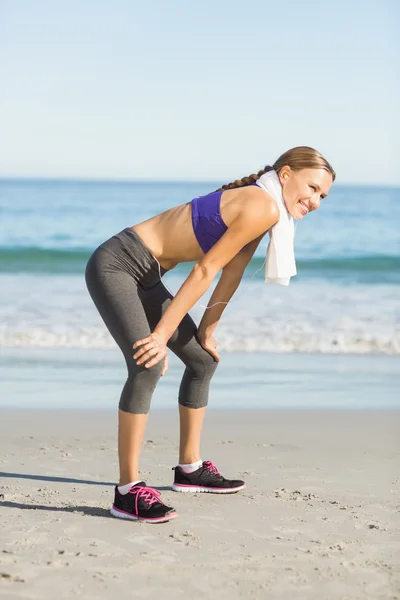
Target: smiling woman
point(303, 192)
point(218, 231)
point(306, 178)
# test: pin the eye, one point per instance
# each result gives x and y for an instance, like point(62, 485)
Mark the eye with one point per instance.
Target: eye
point(313, 187)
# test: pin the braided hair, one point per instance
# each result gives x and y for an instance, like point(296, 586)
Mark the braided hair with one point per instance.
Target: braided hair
point(300, 157)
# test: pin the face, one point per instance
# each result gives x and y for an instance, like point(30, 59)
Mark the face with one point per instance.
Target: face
point(303, 190)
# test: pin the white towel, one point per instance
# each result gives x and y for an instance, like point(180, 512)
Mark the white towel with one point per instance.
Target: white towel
point(280, 264)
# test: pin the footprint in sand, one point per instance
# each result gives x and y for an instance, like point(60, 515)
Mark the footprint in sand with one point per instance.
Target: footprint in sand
point(295, 495)
point(187, 538)
point(10, 577)
point(299, 496)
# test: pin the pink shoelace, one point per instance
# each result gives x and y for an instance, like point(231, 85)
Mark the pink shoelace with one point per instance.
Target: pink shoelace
point(148, 494)
point(208, 465)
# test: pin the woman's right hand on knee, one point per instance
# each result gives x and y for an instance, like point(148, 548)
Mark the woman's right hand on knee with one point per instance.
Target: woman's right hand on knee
point(151, 347)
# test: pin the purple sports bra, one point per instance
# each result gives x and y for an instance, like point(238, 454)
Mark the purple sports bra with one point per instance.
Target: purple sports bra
point(208, 225)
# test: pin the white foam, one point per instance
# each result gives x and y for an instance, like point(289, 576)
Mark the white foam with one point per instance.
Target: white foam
point(57, 312)
point(229, 341)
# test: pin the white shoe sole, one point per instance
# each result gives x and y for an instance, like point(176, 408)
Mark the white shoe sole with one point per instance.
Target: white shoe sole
point(120, 514)
point(208, 490)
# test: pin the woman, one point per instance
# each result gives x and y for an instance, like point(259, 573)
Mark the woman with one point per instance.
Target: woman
point(219, 231)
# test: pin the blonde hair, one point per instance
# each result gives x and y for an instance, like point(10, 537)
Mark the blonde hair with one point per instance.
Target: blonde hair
point(300, 157)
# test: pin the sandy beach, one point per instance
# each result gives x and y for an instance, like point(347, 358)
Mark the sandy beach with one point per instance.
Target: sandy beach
point(162, 116)
point(319, 517)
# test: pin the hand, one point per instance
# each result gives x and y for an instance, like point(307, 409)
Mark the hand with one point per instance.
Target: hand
point(165, 369)
point(152, 347)
point(209, 343)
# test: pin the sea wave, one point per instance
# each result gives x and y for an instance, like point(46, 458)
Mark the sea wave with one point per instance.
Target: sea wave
point(376, 268)
point(317, 342)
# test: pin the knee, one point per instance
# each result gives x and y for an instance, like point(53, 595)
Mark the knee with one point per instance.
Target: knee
point(194, 389)
point(148, 374)
point(210, 364)
point(204, 367)
point(139, 388)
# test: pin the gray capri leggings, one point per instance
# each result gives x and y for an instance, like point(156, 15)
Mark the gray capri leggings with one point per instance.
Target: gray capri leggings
point(123, 279)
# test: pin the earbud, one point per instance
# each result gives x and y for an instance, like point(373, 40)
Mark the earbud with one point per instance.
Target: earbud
point(285, 176)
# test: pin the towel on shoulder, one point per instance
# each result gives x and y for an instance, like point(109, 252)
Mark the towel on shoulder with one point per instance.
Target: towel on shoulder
point(280, 263)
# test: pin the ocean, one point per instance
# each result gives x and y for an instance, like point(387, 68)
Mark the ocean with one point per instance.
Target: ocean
point(344, 299)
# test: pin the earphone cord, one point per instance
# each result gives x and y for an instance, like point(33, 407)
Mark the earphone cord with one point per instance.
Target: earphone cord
point(215, 304)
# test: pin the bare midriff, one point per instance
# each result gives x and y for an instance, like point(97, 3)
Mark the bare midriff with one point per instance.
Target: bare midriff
point(170, 237)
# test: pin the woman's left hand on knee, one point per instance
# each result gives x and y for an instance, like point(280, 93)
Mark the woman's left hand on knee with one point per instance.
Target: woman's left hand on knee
point(165, 367)
point(209, 343)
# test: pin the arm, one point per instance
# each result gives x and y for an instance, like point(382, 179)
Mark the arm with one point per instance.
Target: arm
point(227, 285)
point(259, 213)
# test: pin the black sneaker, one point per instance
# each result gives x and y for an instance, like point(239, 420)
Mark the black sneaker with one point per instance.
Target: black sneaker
point(207, 478)
point(141, 503)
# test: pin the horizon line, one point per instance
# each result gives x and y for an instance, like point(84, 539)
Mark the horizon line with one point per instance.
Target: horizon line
point(74, 179)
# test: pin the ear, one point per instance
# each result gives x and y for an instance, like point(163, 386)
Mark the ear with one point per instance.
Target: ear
point(285, 174)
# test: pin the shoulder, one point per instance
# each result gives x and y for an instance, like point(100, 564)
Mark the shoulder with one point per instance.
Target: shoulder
point(259, 204)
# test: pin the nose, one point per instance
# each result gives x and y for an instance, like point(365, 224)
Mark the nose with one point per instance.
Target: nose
point(315, 201)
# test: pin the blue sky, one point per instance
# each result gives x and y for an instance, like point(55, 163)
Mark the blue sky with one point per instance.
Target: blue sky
point(198, 91)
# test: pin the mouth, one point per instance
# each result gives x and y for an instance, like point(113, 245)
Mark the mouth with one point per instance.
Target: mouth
point(303, 207)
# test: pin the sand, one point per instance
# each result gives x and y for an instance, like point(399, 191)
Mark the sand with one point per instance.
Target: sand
point(319, 518)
